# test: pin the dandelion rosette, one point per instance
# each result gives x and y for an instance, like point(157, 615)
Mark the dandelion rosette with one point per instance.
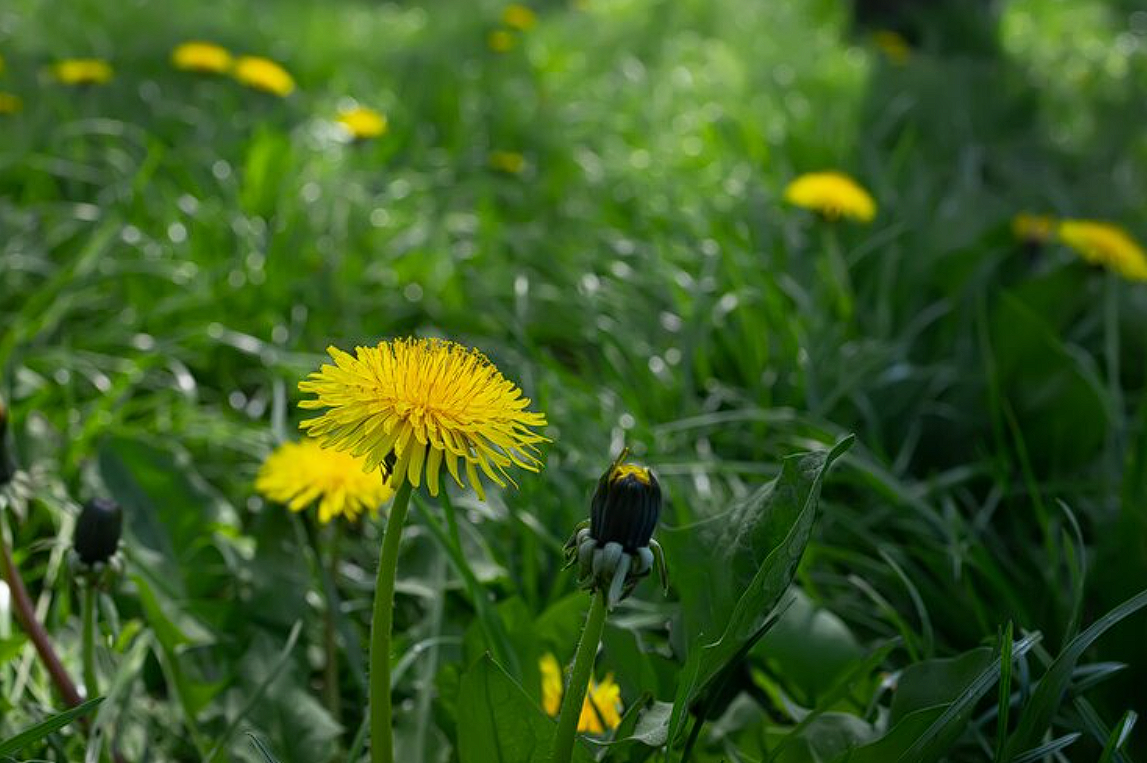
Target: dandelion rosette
point(82, 71)
point(263, 74)
point(202, 57)
point(424, 402)
point(833, 195)
point(601, 709)
point(1105, 244)
point(297, 474)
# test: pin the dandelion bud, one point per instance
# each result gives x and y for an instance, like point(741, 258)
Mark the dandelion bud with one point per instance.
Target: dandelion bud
point(97, 531)
point(626, 506)
point(7, 465)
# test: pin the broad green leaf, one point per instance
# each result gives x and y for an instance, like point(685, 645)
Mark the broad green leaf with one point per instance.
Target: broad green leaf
point(809, 646)
point(43, 728)
point(935, 682)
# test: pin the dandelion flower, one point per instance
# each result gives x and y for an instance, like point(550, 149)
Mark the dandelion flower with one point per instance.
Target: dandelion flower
point(602, 707)
point(500, 41)
point(264, 74)
point(426, 401)
point(82, 71)
point(299, 473)
point(520, 17)
point(202, 57)
point(510, 162)
point(1105, 244)
point(362, 123)
point(1033, 229)
point(833, 195)
point(10, 104)
point(893, 45)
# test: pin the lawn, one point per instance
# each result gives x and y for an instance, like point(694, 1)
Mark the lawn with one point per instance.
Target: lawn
point(898, 456)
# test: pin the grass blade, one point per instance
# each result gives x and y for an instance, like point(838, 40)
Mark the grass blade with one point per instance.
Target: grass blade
point(43, 728)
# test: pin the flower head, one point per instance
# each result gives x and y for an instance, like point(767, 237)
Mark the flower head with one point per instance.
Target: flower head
point(10, 104)
point(833, 195)
point(602, 707)
point(510, 162)
point(82, 71)
point(626, 506)
point(425, 401)
point(264, 74)
point(1033, 229)
point(893, 45)
point(1105, 244)
point(362, 123)
point(520, 17)
point(500, 41)
point(203, 57)
point(299, 473)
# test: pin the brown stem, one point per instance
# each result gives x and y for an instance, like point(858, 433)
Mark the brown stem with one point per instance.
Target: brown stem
point(26, 615)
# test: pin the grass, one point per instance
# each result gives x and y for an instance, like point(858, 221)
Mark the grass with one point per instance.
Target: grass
point(176, 252)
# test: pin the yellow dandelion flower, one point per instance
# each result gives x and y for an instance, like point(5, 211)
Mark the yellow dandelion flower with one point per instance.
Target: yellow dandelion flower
point(1105, 244)
point(10, 104)
point(833, 195)
point(299, 473)
point(263, 74)
point(520, 17)
point(602, 708)
point(362, 123)
point(500, 41)
point(510, 162)
point(893, 45)
point(1033, 229)
point(203, 57)
point(82, 71)
point(426, 401)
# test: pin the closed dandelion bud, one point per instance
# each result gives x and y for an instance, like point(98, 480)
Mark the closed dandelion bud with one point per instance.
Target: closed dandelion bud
point(626, 506)
point(97, 531)
point(7, 465)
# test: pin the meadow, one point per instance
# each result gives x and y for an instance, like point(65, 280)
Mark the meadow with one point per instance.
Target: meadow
point(895, 442)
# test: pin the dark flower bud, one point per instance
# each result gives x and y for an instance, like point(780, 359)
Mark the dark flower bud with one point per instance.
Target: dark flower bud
point(7, 464)
point(98, 530)
point(626, 506)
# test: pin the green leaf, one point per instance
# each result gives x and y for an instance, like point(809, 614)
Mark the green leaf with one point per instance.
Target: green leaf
point(500, 723)
point(1037, 714)
point(936, 682)
point(43, 728)
point(762, 541)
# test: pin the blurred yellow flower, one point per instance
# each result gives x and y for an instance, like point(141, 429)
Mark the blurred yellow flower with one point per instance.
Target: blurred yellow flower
point(1033, 229)
point(1105, 244)
point(362, 123)
point(204, 57)
point(893, 45)
point(520, 17)
point(602, 707)
point(263, 74)
point(422, 402)
point(833, 195)
point(10, 104)
point(508, 161)
point(299, 473)
point(82, 71)
point(500, 41)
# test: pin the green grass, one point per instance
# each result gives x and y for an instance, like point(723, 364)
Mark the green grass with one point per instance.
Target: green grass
point(176, 253)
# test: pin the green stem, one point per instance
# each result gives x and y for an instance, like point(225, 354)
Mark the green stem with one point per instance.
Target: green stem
point(381, 730)
point(331, 687)
point(88, 644)
point(574, 696)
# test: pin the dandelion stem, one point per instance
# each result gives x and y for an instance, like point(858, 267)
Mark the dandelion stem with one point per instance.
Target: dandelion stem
point(381, 731)
point(88, 640)
point(574, 696)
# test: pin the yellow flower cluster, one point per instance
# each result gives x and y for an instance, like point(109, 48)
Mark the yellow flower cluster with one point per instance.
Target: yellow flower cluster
point(602, 707)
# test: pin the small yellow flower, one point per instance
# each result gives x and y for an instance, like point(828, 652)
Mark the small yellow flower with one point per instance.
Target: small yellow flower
point(10, 104)
point(520, 17)
point(500, 41)
point(203, 57)
point(833, 195)
point(510, 162)
point(263, 74)
point(299, 473)
point(1033, 229)
point(82, 71)
point(602, 707)
point(422, 402)
point(893, 45)
point(1105, 244)
point(362, 123)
